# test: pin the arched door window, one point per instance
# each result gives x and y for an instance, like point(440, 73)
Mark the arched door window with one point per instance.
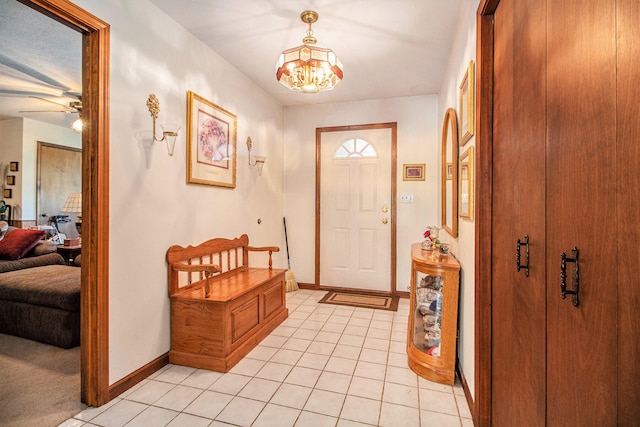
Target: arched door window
point(355, 147)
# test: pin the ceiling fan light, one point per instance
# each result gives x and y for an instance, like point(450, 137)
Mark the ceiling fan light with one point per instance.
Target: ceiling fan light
point(77, 125)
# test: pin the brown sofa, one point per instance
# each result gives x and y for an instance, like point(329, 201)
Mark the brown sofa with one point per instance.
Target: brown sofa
point(40, 297)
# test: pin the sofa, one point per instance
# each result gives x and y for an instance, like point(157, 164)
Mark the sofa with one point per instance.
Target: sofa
point(39, 294)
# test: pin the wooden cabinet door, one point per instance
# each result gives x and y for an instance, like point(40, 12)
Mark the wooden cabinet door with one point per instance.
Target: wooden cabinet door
point(580, 208)
point(628, 211)
point(518, 299)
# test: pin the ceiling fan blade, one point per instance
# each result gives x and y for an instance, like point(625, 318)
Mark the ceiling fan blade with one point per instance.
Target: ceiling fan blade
point(45, 111)
point(66, 107)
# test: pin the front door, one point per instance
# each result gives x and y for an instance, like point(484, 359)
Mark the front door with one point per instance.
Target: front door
point(355, 209)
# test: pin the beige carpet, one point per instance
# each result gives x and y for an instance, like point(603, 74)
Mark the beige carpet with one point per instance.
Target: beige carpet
point(381, 302)
point(39, 383)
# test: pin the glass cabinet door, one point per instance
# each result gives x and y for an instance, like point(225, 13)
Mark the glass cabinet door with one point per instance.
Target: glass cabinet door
point(428, 313)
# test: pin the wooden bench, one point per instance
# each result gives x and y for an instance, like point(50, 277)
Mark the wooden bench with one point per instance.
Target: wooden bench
point(220, 307)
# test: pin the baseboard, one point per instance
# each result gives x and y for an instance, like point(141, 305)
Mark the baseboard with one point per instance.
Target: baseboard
point(119, 387)
point(467, 393)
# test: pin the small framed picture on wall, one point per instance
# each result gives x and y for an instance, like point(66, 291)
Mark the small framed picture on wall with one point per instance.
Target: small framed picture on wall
point(14, 166)
point(413, 172)
point(11, 180)
point(7, 193)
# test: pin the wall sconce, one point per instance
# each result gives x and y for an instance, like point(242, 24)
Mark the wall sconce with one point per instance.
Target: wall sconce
point(259, 160)
point(168, 136)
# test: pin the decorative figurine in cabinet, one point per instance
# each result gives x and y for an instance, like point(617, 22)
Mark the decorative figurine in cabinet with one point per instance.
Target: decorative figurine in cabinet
point(433, 319)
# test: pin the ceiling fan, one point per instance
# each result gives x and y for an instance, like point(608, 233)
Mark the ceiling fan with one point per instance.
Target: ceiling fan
point(71, 107)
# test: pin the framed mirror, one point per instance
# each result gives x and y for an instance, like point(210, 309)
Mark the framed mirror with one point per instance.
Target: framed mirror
point(450, 172)
point(466, 184)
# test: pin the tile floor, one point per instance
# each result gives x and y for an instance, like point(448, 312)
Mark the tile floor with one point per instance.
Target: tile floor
point(326, 365)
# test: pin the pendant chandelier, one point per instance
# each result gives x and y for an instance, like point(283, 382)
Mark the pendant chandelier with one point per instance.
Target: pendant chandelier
point(309, 68)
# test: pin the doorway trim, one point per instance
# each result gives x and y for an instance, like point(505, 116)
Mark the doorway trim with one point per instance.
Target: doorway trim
point(94, 294)
point(483, 232)
point(394, 143)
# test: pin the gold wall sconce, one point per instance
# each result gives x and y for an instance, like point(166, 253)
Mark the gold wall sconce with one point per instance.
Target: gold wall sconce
point(259, 160)
point(168, 136)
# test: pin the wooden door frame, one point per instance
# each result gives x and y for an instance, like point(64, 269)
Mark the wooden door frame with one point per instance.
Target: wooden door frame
point(483, 231)
point(394, 143)
point(94, 295)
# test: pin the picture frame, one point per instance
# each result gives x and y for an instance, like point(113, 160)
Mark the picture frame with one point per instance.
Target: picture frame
point(7, 193)
point(466, 184)
point(211, 143)
point(14, 166)
point(467, 104)
point(11, 180)
point(413, 172)
point(449, 171)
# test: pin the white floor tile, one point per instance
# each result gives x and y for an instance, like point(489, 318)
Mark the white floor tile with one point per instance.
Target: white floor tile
point(429, 419)
point(331, 381)
point(340, 365)
point(347, 351)
point(209, 404)
point(401, 376)
point(314, 361)
point(290, 395)
point(437, 401)
point(150, 392)
point(398, 416)
point(153, 416)
point(241, 411)
point(308, 419)
point(248, 367)
point(401, 395)
point(374, 371)
point(274, 371)
point(366, 387)
point(188, 420)
point(374, 356)
point(119, 414)
point(230, 383)
point(361, 410)
point(325, 402)
point(286, 356)
point(259, 389)
point(175, 374)
point(178, 398)
point(306, 377)
point(262, 352)
point(276, 416)
point(201, 379)
point(319, 347)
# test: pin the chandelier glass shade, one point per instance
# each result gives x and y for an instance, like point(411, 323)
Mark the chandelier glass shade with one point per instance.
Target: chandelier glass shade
point(309, 68)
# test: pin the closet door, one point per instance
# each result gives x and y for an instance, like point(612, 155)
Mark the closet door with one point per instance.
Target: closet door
point(628, 192)
point(518, 298)
point(580, 211)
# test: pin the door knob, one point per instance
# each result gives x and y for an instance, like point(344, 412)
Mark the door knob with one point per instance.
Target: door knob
point(385, 209)
point(385, 220)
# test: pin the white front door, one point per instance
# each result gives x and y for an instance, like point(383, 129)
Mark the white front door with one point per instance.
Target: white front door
point(355, 209)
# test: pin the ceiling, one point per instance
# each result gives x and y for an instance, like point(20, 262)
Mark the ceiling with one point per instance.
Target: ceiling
point(395, 48)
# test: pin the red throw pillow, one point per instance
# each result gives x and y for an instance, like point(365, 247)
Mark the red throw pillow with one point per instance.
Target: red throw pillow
point(18, 242)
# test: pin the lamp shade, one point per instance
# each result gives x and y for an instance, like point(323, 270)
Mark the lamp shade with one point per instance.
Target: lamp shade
point(309, 68)
point(73, 203)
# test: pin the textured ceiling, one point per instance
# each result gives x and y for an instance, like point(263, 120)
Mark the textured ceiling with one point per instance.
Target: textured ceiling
point(389, 48)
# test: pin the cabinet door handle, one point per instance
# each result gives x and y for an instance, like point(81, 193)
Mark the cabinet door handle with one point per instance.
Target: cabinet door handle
point(575, 277)
point(518, 246)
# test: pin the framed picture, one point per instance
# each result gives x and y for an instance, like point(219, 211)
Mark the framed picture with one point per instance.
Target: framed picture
point(7, 193)
point(14, 166)
point(449, 171)
point(11, 180)
point(467, 104)
point(413, 172)
point(466, 185)
point(211, 143)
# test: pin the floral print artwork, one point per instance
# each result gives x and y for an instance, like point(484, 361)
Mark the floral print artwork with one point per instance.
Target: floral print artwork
point(213, 141)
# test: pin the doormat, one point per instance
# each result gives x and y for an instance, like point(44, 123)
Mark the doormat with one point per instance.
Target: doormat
point(361, 300)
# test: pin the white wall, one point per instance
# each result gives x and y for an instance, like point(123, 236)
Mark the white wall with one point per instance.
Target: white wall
point(463, 51)
point(20, 143)
point(417, 119)
point(152, 207)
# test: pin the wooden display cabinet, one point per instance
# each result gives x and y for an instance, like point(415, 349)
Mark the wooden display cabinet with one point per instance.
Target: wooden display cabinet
point(433, 318)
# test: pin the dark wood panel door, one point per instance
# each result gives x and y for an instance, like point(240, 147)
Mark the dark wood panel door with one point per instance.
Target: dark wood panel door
point(628, 211)
point(518, 298)
point(581, 200)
